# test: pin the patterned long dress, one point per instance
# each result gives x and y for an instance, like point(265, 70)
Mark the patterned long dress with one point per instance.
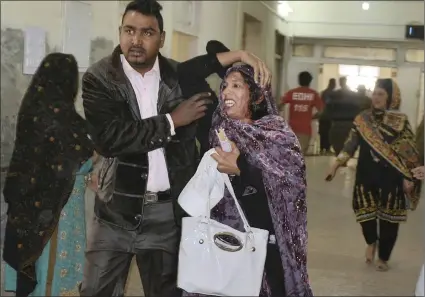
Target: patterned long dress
point(387, 155)
point(69, 254)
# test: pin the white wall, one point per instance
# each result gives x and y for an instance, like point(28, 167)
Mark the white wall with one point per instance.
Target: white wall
point(223, 20)
point(48, 15)
point(253, 38)
point(347, 19)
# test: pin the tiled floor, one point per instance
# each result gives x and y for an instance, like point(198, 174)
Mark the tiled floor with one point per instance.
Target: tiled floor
point(336, 246)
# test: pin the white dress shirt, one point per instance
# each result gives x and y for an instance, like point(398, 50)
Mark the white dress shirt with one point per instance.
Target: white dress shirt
point(146, 89)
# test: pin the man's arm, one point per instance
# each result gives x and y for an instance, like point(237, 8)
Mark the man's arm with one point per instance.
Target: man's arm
point(114, 135)
point(199, 67)
point(318, 102)
point(318, 105)
point(203, 66)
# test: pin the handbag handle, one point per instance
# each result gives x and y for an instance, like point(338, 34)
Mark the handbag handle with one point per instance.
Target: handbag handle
point(238, 206)
point(229, 186)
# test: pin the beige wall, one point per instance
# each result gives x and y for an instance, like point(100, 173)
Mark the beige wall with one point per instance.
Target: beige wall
point(183, 46)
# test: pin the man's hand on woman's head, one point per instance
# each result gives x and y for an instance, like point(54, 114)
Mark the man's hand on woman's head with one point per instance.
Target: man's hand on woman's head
point(227, 162)
point(262, 73)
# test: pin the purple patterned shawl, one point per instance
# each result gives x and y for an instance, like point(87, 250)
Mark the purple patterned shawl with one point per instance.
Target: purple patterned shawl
point(270, 144)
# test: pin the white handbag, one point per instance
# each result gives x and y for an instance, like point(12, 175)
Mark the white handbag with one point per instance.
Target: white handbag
point(215, 259)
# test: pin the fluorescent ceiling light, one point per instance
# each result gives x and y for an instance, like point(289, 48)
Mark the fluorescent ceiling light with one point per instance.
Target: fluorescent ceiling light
point(283, 8)
point(365, 6)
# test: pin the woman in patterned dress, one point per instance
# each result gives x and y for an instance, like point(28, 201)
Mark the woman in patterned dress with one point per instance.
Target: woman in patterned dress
point(51, 146)
point(384, 186)
point(267, 171)
point(418, 173)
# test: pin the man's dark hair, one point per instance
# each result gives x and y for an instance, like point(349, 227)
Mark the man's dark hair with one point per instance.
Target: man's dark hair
point(332, 83)
point(148, 8)
point(304, 79)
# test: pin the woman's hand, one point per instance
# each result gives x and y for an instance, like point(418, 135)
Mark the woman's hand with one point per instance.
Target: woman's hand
point(92, 181)
point(332, 171)
point(419, 173)
point(408, 186)
point(260, 69)
point(95, 158)
point(227, 162)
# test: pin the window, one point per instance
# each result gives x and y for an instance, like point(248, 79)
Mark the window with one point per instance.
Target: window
point(369, 71)
point(359, 75)
point(303, 50)
point(363, 53)
point(415, 56)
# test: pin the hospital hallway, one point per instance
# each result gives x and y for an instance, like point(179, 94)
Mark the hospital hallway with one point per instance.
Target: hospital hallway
point(336, 247)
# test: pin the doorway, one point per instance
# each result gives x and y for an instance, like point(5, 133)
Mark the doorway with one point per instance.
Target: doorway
point(278, 71)
point(252, 35)
point(183, 46)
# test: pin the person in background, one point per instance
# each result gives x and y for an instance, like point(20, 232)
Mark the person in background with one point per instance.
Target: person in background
point(146, 131)
point(51, 156)
point(384, 186)
point(324, 120)
point(343, 107)
point(60, 266)
point(364, 101)
point(302, 101)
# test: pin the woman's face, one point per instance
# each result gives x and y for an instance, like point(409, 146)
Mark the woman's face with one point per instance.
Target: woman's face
point(235, 96)
point(379, 98)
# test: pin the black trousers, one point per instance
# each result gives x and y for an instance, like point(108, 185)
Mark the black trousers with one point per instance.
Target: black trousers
point(324, 129)
point(110, 250)
point(338, 134)
point(386, 238)
point(274, 272)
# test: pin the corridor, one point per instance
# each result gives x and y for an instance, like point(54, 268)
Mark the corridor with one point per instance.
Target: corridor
point(336, 246)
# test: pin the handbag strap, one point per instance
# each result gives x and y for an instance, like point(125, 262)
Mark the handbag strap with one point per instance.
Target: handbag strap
point(238, 206)
point(229, 186)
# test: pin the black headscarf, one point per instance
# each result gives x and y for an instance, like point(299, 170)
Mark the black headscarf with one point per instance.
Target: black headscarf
point(51, 144)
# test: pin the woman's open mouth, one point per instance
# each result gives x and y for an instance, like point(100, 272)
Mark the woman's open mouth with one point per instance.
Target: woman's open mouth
point(229, 103)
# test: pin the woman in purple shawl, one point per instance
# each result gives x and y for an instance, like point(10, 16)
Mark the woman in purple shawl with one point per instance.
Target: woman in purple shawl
point(267, 170)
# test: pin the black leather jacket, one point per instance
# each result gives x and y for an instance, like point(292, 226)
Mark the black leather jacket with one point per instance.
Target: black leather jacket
point(124, 139)
point(344, 105)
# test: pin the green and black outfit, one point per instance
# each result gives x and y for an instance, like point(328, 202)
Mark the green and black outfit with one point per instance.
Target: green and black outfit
point(51, 144)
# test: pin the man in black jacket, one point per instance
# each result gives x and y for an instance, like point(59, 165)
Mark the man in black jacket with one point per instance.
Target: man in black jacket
point(343, 108)
point(146, 132)
point(193, 82)
point(324, 121)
